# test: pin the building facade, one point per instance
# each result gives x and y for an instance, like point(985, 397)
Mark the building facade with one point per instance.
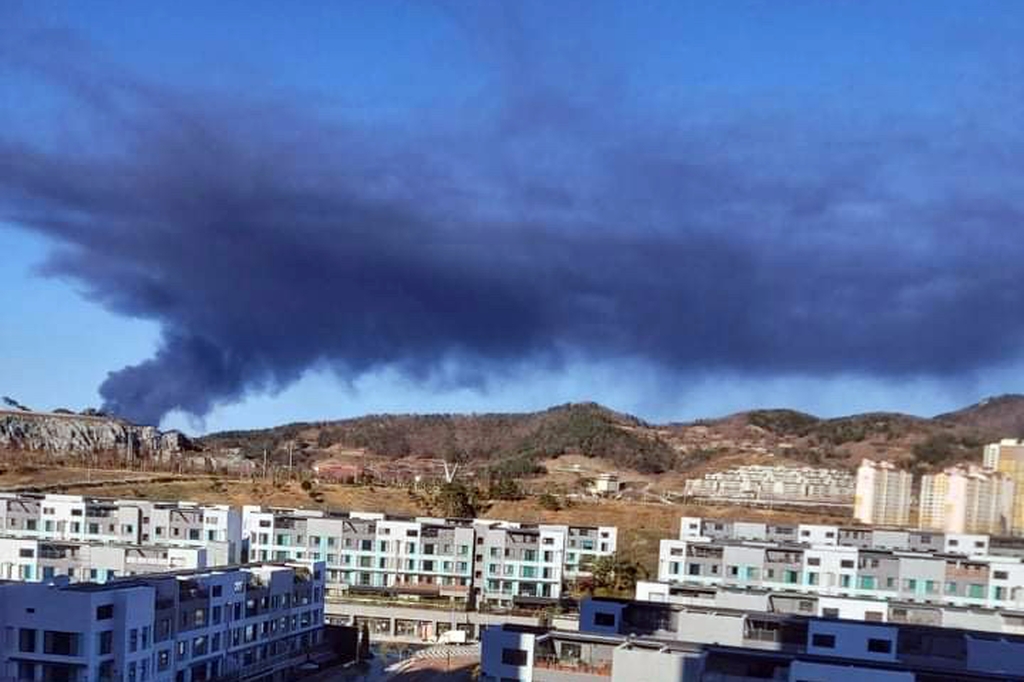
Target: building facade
point(1007, 457)
point(247, 623)
point(963, 574)
point(497, 562)
point(31, 559)
point(966, 500)
point(775, 484)
point(214, 528)
point(883, 494)
point(620, 640)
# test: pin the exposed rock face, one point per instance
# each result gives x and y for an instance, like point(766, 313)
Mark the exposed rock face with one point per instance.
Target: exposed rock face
point(78, 434)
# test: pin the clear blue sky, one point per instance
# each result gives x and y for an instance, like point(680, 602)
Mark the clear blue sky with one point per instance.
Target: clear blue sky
point(223, 215)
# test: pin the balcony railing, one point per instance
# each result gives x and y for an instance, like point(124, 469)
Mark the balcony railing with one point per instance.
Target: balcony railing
point(601, 668)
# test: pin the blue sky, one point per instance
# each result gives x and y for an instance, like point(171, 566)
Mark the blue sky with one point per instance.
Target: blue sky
point(222, 215)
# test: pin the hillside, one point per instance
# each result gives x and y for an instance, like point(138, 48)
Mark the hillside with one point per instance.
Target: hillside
point(511, 443)
point(518, 444)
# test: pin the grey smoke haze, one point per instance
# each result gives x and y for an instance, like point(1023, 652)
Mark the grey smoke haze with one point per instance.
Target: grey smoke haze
point(266, 237)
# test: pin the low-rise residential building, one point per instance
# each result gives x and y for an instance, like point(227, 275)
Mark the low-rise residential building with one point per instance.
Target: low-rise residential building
point(33, 559)
point(620, 640)
point(883, 494)
point(801, 603)
point(966, 500)
point(239, 623)
point(495, 561)
point(697, 528)
point(215, 528)
point(947, 575)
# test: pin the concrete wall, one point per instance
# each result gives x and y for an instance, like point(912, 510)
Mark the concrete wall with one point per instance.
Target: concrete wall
point(994, 656)
point(851, 639)
point(711, 628)
point(345, 611)
point(631, 664)
point(494, 642)
point(803, 670)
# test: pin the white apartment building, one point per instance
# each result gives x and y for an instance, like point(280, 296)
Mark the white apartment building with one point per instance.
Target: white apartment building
point(496, 561)
point(774, 483)
point(966, 500)
point(32, 559)
point(257, 622)
point(215, 528)
point(959, 574)
point(367, 551)
point(883, 494)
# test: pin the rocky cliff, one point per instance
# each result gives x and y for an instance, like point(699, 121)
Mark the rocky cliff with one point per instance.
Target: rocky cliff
point(80, 434)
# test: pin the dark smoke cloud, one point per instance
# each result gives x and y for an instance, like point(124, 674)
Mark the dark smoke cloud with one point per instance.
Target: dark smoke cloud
point(266, 239)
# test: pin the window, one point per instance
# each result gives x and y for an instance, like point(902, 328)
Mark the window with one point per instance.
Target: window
point(106, 642)
point(880, 646)
point(133, 640)
point(105, 612)
point(604, 619)
point(829, 612)
point(846, 563)
point(516, 657)
point(26, 552)
point(26, 639)
point(823, 641)
point(1000, 575)
point(60, 643)
point(813, 561)
point(163, 659)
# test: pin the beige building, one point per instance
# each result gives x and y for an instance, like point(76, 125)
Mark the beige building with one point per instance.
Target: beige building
point(1007, 457)
point(966, 500)
point(605, 484)
point(882, 494)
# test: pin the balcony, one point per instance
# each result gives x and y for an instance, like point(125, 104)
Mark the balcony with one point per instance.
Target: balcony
point(552, 669)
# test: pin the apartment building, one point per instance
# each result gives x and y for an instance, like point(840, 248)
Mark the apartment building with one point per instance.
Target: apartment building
point(32, 559)
point(951, 576)
point(520, 563)
point(1007, 457)
point(779, 484)
point(239, 623)
point(883, 494)
point(966, 500)
point(495, 561)
point(214, 528)
point(799, 603)
point(365, 551)
point(621, 640)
